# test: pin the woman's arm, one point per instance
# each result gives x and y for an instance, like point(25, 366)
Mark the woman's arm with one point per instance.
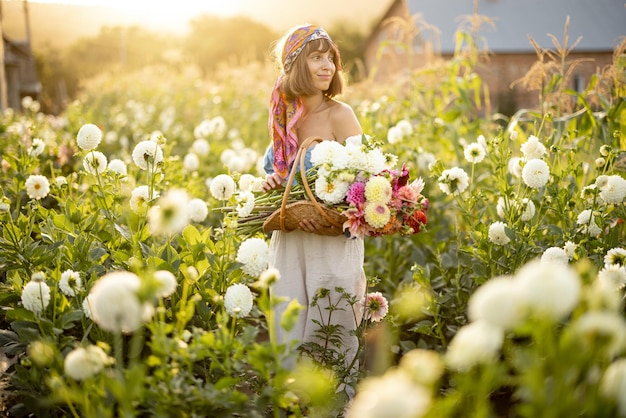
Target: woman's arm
point(272, 180)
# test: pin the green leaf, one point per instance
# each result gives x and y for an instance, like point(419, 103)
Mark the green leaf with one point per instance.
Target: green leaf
point(20, 314)
point(192, 235)
point(62, 222)
point(225, 383)
point(27, 330)
point(97, 253)
point(67, 320)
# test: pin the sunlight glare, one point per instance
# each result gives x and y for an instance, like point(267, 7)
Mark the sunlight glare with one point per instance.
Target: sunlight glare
point(162, 8)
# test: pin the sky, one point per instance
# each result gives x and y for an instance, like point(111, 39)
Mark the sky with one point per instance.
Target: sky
point(280, 14)
point(167, 9)
point(187, 7)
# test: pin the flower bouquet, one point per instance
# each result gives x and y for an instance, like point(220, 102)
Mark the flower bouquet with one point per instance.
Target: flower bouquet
point(356, 191)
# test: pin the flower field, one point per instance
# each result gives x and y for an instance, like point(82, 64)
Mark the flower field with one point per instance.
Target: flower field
point(127, 289)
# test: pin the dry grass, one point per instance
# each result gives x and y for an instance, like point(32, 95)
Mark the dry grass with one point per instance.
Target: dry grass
point(552, 73)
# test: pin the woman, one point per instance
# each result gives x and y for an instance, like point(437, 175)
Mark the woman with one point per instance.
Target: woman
point(303, 105)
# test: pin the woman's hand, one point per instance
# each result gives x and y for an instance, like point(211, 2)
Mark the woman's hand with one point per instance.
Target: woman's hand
point(310, 225)
point(272, 181)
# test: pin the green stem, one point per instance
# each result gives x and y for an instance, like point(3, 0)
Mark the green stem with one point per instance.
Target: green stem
point(118, 349)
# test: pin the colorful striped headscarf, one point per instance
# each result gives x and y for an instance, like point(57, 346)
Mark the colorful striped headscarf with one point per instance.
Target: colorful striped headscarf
point(285, 113)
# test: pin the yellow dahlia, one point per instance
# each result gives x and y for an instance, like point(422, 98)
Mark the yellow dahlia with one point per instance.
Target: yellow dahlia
point(378, 189)
point(377, 214)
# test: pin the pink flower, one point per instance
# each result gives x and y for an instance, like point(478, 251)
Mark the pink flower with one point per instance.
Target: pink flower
point(408, 194)
point(396, 203)
point(356, 194)
point(417, 185)
point(356, 223)
point(376, 306)
point(397, 178)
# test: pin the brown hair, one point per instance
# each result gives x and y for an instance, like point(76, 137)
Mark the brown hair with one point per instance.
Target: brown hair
point(297, 81)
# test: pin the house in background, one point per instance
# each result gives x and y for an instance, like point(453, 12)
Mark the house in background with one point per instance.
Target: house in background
point(18, 69)
point(20, 73)
point(599, 23)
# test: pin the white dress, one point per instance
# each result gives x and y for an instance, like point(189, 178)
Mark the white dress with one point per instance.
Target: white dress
point(308, 262)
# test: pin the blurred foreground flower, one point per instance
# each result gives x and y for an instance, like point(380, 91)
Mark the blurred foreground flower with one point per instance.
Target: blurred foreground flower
point(268, 278)
point(198, 210)
point(167, 283)
point(613, 384)
point(602, 332)
point(555, 255)
point(393, 395)
point(613, 276)
point(540, 289)
point(476, 343)
point(139, 198)
point(499, 302)
point(171, 215)
point(424, 367)
point(115, 305)
point(83, 363)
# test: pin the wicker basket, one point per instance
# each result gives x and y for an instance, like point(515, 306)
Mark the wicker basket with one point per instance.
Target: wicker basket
point(289, 215)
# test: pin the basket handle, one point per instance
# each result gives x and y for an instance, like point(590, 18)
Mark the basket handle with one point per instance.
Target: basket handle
point(283, 205)
point(301, 156)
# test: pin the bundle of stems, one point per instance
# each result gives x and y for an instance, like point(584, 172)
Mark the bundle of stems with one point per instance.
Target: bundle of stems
point(267, 203)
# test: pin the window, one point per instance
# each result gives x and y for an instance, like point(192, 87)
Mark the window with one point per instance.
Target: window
point(579, 83)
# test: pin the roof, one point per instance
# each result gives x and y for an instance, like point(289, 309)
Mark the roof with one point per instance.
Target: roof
point(22, 47)
point(601, 23)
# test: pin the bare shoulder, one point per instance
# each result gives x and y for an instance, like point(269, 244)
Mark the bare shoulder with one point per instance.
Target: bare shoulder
point(344, 121)
point(341, 111)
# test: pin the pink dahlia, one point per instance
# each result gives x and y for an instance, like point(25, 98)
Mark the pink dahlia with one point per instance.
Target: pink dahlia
point(356, 194)
point(356, 223)
point(376, 306)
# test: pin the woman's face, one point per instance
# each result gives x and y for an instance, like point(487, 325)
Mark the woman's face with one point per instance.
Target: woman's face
point(321, 68)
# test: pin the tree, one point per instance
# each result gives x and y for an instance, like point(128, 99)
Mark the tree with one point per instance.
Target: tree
point(114, 48)
point(213, 41)
point(351, 40)
point(129, 48)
